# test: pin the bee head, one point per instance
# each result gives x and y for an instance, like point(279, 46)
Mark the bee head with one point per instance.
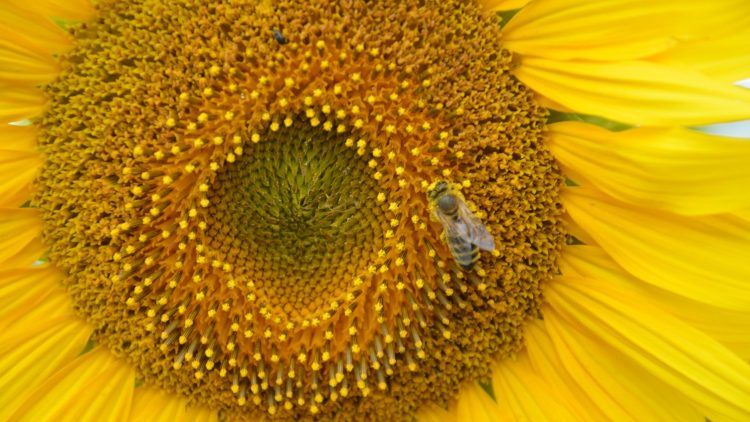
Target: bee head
point(436, 189)
point(447, 203)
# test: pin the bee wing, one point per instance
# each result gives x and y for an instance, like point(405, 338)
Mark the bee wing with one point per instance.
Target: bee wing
point(476, 232)
point(453, 228)
point(457, 238)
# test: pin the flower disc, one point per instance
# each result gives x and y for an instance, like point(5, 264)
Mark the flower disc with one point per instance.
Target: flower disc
point(237, 192)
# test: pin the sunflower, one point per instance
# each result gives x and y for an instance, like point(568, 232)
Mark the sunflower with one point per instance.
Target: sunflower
point(219, 210)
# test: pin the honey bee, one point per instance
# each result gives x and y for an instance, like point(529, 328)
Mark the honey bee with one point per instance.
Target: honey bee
point(464, 232)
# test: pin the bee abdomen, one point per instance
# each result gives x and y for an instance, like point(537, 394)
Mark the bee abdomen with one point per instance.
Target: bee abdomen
point(467, 262)
point(465, 253)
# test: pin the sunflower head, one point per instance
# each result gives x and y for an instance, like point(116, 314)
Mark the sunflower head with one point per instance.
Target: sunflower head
point(241, 199)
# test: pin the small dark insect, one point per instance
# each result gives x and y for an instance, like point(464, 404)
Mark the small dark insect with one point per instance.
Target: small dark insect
point(279, 37)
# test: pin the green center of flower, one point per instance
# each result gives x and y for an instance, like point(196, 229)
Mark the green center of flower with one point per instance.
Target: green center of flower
point(238, 194)
point(296, 215)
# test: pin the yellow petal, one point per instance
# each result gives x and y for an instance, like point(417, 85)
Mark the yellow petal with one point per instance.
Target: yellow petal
point(578, 389)
point(636, 92)
point(20, 103)
point(39, 332)
point(618, 389)
point(18, 138)
point(17, 172)
point(68, 9)
point(497, 5)
point(677, 169)
point(431, 412)
point(156, 405)
point(474, 404)
point(572, 228)
point(729, 327)
point(715, 380)
point(23, 63)
point(702, 258)
point(94, 387)
point(41, 29)
point(528, 396)
point(28, 255)
point(19, 229)
point(547, 103)
point(24, 291)
point(638, 394)
point(724, 58)
point(616, 29)
point(30, 356)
